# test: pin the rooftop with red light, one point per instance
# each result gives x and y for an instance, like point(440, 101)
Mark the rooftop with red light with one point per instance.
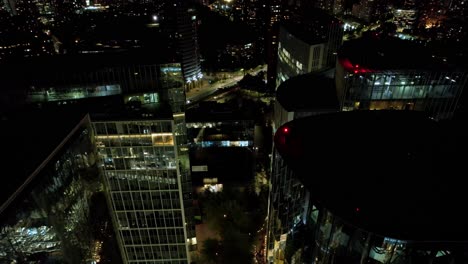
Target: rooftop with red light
point(394, 173)
point(370, 54)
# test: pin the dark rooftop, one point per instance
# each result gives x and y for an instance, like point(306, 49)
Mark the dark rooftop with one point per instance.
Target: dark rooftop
point(29, 137)
point(312, 91)
point(395, 173)
point(373, 53)
point(38, 68)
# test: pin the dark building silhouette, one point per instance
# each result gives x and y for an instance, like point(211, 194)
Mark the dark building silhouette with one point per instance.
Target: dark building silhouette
point(375, 194)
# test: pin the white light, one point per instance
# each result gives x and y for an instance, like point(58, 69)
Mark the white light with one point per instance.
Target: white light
point(155, 17)
point(403, 82)
point(377, 83)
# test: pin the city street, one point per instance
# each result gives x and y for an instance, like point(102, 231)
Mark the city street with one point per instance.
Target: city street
point(200, 93)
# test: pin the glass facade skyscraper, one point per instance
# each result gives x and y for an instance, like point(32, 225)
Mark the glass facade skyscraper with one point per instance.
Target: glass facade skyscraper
point(143, 163)
point(382, 197)
point(379, 74)
point(48, 218)
point(137, 111)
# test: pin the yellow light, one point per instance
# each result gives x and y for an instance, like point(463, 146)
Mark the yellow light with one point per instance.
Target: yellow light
point(178, 115)
point(133, 136)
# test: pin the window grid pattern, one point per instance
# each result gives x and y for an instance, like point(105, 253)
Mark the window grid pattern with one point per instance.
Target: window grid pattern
point(434, 92)
point(140, 171)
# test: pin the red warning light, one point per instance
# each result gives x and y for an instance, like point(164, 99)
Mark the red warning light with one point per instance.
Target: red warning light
point(358, 209)
point(356, 71)
point(285, 130)
point(357, 66)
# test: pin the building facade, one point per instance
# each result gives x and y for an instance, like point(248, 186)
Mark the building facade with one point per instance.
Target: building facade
point(351, 219)
point(405, 19)
point(47, 217)
point(137, 110)
point(296, 57)
point(374, 81)
point(363, 80)
point(301, 96)
point(308, 46)
point(146, 171)
point(181, 24)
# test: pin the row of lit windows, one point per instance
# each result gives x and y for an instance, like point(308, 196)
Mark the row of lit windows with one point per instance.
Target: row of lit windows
point(149, 219)
point(394, 88)
point(154, 183)
point(127, 128)
point(128, 205)
point(156, 252)
point(145, 195)
point(146, 237)
point(154, 175)
point(124, 202)
point(139, 163)
point(161, 139)
point(138, 152)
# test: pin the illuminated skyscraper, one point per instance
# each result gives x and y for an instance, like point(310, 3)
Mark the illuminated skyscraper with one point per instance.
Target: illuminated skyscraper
point(45, 200)
point(146, 176)
point(137, 112)
point(308, 42)
point(273, 17)
point(181, 23)
point(391, 73)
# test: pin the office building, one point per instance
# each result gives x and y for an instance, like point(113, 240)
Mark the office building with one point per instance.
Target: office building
point(305, 95)
point(405, 19)
point(180, 23)
point(421, 82)
point(272, 18)
point(145, 165)
point(136, 104)
point(305, 45)
point(379, 74)
point(373, 190)
point(50, 175)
